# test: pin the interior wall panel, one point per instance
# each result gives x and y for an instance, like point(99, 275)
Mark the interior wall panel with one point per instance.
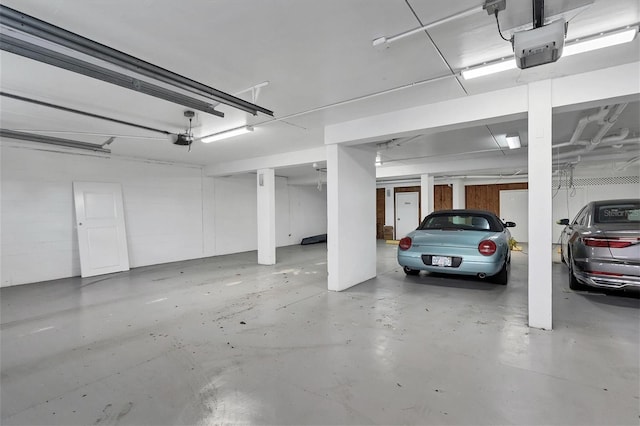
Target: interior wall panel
point(442, 197)
point(487, 197)
point(308, 212)
point(172, 212)
point(380, 209)
point(567, 202)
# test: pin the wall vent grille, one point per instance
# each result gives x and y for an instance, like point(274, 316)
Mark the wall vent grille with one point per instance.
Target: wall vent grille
point(581, 182)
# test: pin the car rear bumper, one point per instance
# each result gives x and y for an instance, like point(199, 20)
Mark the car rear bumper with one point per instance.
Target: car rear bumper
point(607, 274)
point(489, 266)
point(608, 281)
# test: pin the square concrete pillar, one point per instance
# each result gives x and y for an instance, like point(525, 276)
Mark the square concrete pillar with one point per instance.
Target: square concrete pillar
point(351, 216)
point(426, 195)
point(458, 194)
point(540, 203)
point(266, 215)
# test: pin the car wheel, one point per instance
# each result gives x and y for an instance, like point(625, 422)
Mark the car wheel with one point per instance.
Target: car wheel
point(574, 284)
point(410, 271)
point(502, 277)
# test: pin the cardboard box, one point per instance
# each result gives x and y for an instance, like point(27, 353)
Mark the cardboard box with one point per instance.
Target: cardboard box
point(388, 232)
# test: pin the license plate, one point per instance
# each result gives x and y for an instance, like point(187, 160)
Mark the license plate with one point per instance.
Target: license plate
point(441, 261)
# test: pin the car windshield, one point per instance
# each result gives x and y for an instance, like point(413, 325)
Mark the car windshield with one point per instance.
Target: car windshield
point(469, 222)
point(618, 213)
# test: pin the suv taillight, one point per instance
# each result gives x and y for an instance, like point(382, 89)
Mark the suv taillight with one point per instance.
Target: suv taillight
point(608, 242)
point(487, 247)
point(405, 243)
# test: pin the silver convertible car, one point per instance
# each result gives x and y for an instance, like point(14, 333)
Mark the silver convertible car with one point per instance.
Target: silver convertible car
point(462, 242)
point(601, 246)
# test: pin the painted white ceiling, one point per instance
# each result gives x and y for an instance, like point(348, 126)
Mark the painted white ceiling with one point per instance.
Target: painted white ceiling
point(321, 67)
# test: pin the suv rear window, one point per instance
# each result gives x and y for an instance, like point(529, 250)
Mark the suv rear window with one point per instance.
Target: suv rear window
point(618, 213)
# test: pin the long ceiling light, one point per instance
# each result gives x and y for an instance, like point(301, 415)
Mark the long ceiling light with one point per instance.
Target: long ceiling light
point(600, 41)
point(491, 68)
point(50, 140)
point(22, 24)
point(573, 47)
point(227, 134)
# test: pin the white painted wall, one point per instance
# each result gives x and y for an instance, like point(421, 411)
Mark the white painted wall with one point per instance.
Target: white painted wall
point(172, 212)
point(234, 214)
point(514, 207)
point(567, 202)
point(308, 215)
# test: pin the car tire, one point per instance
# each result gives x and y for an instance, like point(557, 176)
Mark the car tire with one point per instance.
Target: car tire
point(502, 277)
point(574, 284)
point(410, 271)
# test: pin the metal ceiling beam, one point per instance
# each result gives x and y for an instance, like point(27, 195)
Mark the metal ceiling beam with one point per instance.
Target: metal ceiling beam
point(47, 56)
point(50, 140)
point(538, 13)
point(27, 24)
point(85, 113)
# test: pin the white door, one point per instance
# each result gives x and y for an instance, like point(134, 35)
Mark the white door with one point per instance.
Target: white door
point(514, 207)
point(406, 213)
point(100, 223)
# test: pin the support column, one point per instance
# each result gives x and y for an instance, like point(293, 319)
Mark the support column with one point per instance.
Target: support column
point(458, 194)
point(266, 217)
point(540, 207)
point(351, 216)
point(389, 206)
point(426, 195)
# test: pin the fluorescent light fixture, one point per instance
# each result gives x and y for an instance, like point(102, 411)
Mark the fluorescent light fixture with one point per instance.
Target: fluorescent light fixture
point(482, 70)
point(51, 140)
point(227, 134)
point(574, 47)
point(378, 160)
point(513, 141)
point(601, 41)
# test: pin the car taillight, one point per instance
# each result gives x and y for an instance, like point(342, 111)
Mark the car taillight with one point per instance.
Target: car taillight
point(487, 247)
point(606, 273)
point(608, 242)
point(405, 243)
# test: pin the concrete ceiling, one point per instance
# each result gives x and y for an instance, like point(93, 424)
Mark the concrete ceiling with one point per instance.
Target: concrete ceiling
point(321, 67)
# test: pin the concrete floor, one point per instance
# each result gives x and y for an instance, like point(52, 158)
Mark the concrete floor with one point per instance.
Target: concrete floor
point(222, 340)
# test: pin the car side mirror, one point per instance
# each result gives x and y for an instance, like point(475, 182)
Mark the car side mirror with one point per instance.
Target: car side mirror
point(510, 224)
point(564, 222)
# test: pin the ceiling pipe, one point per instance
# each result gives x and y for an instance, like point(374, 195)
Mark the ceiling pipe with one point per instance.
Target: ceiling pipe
point(586, 150)
point(589, 145)
point(80, 112)
point(597, 117)
point(385, 41)
point(628, 164)
point(608, 124)
point(608, 140)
